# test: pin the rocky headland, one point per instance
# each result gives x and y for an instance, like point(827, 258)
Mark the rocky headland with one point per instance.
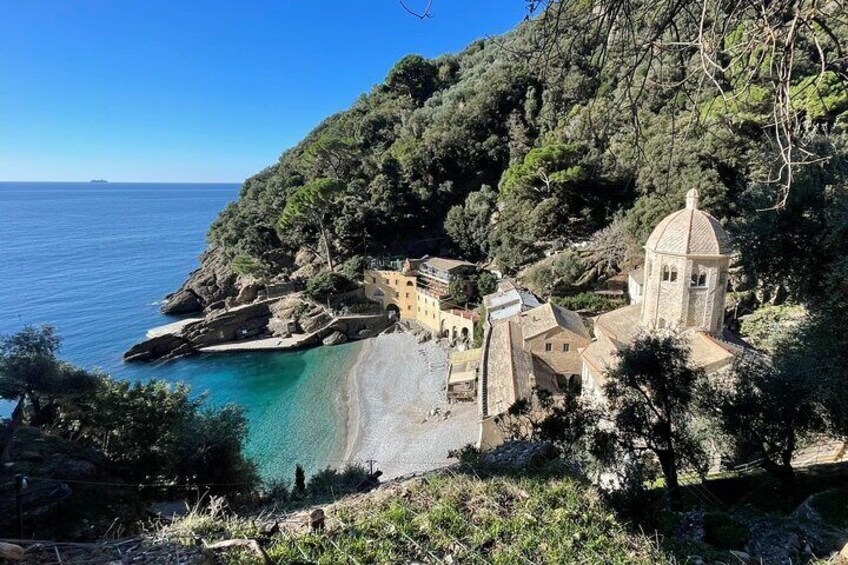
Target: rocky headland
point(290, 322)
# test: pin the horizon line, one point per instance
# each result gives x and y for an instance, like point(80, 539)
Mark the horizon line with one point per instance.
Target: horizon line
point(99, 181)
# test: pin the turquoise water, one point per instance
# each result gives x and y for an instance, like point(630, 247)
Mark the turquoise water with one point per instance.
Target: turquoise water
point(94, 260)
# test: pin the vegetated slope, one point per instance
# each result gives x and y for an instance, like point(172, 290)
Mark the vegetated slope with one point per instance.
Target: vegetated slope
point(497, 152)
point(449, 517)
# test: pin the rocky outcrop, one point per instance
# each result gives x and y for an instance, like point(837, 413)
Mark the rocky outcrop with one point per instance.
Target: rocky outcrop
point(243, 322)
point(265, 318)
point(213, 282)
point(334, 338)
point(161, 347)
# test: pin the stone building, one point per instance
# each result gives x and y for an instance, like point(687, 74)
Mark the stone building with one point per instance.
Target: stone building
point(533, 349)
point(682, 288)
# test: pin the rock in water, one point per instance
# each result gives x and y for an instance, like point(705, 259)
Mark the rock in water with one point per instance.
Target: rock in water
point(184, 301)
point(335, 338)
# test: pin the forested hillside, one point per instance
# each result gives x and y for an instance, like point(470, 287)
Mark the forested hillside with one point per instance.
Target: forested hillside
point(589, 122)
point(504, 153)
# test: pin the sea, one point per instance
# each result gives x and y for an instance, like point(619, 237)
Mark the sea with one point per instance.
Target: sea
point(95, 261)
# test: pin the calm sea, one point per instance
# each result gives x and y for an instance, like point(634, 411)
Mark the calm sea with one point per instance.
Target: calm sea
point(94, 260)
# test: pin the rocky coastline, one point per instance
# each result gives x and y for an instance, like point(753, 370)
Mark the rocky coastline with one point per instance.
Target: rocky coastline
point(236, 310)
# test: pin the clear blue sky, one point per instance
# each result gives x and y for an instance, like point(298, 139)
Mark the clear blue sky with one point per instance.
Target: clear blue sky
point(132, 90)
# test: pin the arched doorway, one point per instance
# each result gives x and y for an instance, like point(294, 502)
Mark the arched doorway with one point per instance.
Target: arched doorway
point(394, 311)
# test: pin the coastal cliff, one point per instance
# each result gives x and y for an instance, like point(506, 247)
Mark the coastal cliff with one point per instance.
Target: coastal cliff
point(212, 283)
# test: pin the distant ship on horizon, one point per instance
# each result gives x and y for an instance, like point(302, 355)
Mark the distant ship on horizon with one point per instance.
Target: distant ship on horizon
point(99, 181)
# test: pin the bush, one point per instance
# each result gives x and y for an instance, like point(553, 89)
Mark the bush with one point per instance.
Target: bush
point(246, 265)
point(769, 324)
point(354, 267)
point(156, 431)
point(327, 283)
point(723, 532)
point(487, 283)
point(589, 301)
point(334, 483)
point(557, 275)
point(833, 507)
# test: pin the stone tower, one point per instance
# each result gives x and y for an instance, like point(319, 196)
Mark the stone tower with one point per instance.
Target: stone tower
point(686, 262)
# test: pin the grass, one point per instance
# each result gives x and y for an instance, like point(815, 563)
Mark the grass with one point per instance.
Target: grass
point(459, 518)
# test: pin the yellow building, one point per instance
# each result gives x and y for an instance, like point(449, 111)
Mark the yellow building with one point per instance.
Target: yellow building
point(395, 290)
point(419, 289)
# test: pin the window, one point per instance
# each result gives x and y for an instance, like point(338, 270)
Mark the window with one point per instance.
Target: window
point(698, 279)
point(566, 347)
point(408, 307)
point(669, 274)
point(549, 347)
point(374, 280)
point(407, 295)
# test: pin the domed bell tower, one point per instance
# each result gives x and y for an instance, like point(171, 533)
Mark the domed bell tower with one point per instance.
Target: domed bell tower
point(686, 262)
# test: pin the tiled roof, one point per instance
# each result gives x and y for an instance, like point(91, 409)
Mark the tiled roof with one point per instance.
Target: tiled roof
point(620, 325)
point(689, 232)
point(706, 352)
point(547, 317)
point(443, 264)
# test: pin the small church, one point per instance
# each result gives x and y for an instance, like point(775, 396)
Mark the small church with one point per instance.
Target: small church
point(682, 287)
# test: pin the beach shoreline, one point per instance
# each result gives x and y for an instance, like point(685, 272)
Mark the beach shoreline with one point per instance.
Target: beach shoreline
point(351, 403)
point(397, 413)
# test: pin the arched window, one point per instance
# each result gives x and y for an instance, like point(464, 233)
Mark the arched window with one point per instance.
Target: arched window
point(669, 274)
point(698, 279)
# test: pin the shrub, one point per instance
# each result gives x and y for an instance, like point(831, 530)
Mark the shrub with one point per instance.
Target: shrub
point(589, 301)
point(246, 265)
point(354, 267)
point(833, 507)
point(557, 275)
point(767, 325)
point(332, 482)
point(328, 283)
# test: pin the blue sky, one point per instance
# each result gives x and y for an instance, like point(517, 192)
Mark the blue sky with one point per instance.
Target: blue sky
point(199, 91)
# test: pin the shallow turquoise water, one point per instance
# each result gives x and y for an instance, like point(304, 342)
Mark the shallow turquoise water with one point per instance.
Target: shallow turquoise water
point(94, 260)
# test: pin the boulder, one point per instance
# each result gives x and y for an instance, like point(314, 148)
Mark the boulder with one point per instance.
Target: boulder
point(161, 347)
point(184, 301)
point(315, 318)
point(248, 291)
point(335, 338)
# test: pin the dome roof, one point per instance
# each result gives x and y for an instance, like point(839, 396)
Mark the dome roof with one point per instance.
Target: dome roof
point(689, 232)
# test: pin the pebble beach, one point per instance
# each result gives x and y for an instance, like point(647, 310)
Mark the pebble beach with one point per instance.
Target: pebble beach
point(397, 412)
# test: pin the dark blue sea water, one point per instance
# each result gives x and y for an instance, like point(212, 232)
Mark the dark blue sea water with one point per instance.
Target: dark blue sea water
point(94, 260)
